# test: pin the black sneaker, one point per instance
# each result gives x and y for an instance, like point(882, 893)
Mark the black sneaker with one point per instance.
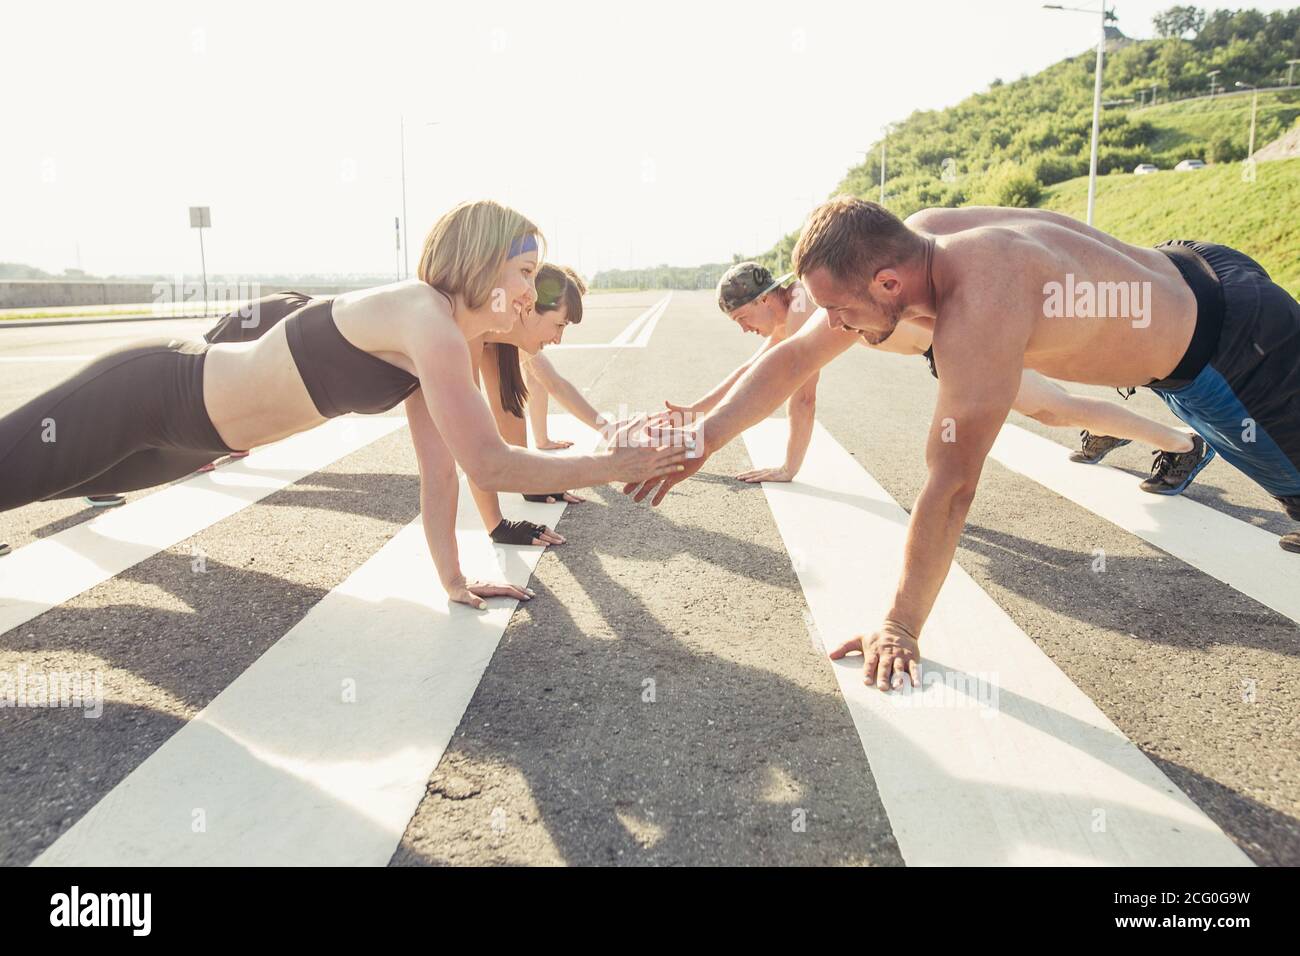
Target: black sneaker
point(1173, 471)
point(4, 549)
point(1096, 447)
point(1290, 542)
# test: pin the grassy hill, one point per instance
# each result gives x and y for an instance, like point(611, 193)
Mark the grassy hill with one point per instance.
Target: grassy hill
point(1261, 218)
point(1026, 142)
point(1178, 129)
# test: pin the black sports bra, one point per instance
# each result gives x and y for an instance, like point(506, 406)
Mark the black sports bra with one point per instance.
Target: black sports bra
point(340, 377)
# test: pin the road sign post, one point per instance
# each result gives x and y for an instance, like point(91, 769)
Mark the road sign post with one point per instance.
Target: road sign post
point(200, 219)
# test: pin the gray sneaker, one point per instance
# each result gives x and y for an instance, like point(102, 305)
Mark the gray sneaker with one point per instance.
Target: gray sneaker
point(1096, 447)
point(1173, 471)
point(105, 501)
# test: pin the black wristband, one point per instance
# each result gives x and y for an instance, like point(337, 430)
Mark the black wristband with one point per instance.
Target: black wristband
point(516, 532)
point(557, 495)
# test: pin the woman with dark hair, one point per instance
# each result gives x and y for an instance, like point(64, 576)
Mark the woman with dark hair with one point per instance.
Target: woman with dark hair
point(509, 363)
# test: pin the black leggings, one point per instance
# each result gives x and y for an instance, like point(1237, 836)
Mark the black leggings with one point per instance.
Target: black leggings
point(131, 419)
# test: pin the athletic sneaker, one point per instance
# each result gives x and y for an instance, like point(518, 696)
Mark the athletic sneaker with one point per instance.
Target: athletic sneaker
point(105, 501)
point(1096, 447)
point(1290, 542)
point(4, 549)
point(1172, 471)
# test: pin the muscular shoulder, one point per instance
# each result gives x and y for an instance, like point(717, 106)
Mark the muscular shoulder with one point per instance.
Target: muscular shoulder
point(945, 220)
point(936, 219)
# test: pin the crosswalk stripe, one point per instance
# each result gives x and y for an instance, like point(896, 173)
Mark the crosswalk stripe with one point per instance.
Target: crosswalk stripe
point(635, 335)
point(1244, 557)
point(278, 766)
point(45, 573)
point(1000, 758)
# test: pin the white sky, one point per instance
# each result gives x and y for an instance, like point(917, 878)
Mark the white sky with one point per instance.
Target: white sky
point(633, 133)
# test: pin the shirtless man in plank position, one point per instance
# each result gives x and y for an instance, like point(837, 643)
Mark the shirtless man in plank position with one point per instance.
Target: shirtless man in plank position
point(770, 307)
point(1205, 329)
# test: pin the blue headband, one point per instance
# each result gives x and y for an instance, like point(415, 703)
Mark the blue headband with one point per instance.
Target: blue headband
point(522, 244)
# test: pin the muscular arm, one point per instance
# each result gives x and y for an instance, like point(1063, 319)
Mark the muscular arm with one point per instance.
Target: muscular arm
point(710, 401)
point(975, 396)
point(772, 379)
point(756, 395)
point(801, 413)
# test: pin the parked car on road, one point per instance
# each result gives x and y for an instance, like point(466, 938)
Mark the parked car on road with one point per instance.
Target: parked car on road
point(1144, 169)
point(1187, 165)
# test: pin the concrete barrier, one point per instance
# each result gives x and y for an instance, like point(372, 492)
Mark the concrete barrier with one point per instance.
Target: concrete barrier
point(42, 293)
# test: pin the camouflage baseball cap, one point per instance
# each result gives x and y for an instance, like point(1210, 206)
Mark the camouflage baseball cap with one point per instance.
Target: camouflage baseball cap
point(744, 282)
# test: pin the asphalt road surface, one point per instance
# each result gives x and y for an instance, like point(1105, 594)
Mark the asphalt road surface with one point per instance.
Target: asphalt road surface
point(665, 699)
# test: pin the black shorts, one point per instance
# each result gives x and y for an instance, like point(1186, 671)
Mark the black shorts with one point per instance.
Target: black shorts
point(1238, 385)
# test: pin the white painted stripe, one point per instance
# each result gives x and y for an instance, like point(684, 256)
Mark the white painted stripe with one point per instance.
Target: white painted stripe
point(635, 335)
point(1040, 776)
point(45, 573)
point(282, 769)
point(629, 334)
point(1242, 556)
point(643, 335)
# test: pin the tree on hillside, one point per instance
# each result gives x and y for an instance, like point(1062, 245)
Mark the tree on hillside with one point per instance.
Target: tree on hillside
point(1179, 21)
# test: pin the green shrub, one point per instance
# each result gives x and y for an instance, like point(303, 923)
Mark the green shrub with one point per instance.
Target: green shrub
point(1008, 185)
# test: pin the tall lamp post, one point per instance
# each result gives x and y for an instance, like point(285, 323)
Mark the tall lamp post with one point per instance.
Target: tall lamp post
point(406, 252)
point(883, 141)
point(1254, 104)
point(1106, 15)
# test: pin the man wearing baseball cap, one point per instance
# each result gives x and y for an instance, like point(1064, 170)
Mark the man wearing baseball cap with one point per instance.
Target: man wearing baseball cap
point(774, 308)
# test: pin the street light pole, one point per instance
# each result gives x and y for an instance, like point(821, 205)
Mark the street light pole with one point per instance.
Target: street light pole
point(1254, 104)
point(406, 252)
point(1096, 118)
point(883, 141)
point(406, 263)
point(1096, 97)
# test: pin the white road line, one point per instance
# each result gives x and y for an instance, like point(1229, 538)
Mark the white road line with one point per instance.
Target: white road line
point(280, 767)
point(1000, 759)
point(647, 329)
point(45, 573)
point(1242, 556)
point(635, 335)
